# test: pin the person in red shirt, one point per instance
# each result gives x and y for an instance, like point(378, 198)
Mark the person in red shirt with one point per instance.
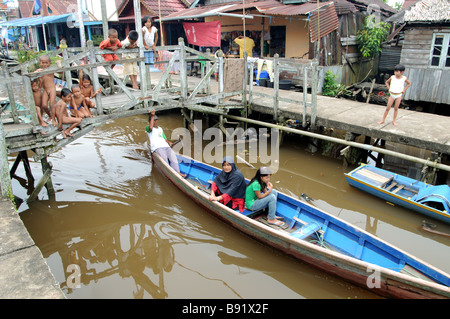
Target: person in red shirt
point(111, 43)
point(229, 186)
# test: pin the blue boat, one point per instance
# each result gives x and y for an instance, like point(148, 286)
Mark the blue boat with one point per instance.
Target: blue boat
point(433, 201)
point(318, 238)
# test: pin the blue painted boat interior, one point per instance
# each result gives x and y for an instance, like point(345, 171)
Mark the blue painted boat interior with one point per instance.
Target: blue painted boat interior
point(308, 223)
point(402, 190)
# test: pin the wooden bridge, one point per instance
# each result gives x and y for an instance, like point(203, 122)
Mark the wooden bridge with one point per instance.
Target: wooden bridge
point(173, 89)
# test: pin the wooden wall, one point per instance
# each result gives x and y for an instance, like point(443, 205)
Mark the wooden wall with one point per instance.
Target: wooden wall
point(427, 84)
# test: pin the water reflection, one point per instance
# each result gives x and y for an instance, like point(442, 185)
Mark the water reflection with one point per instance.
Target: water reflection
point(135, 236)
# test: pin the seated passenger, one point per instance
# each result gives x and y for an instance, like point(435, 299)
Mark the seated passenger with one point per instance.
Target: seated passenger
point(229, 186)
point(260, 194)
point(160, 144)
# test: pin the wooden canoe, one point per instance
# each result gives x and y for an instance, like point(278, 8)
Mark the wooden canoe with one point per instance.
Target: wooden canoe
point(319, 239)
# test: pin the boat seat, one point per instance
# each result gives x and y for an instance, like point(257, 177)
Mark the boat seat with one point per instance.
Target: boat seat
point(380, 180)
point(393, 184)
point(398, 189)
point(251, 213)
point(306, 230)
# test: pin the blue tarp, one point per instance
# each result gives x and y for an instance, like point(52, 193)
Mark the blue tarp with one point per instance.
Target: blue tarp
point(37, 20)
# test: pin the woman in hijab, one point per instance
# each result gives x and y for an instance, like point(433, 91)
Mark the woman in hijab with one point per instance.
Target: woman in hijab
point(229, 186)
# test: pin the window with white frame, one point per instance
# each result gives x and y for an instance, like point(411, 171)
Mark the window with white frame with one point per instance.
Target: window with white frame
point(440, 51)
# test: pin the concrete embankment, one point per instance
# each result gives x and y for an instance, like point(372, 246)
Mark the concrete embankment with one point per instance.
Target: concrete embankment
point(24, 273)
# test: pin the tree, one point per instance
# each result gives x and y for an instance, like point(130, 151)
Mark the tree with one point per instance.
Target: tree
point(371, 37)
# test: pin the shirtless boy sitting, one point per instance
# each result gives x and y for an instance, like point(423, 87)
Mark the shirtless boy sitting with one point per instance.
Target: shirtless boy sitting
point(78, 106)
point(63, 115)
point(48, 84)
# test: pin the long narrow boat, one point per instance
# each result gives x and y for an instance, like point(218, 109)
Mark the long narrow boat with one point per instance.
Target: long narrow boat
point(319, 239)
point(433, 201)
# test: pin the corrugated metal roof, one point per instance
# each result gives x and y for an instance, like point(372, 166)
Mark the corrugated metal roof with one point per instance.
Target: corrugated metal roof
point(167, 6)
point(268, 7)
point(344, 7)
point(323, 21)
point(37, 20)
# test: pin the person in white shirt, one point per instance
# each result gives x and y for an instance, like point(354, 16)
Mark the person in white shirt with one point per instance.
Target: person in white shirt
point(131, 69)
point(396, 87)
point(160, 144)
point(150, 36)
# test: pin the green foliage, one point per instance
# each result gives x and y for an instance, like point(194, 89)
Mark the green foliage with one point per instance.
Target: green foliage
point(371, 37)
point(96, 39)
point(331, 87)
point(25, 55)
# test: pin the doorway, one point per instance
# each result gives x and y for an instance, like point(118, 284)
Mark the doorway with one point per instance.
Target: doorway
point(278, 40)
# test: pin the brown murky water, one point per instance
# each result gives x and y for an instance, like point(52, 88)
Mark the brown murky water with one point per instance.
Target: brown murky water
point(133, 235)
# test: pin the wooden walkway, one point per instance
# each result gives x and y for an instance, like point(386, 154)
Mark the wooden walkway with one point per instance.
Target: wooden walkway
point(418, 129)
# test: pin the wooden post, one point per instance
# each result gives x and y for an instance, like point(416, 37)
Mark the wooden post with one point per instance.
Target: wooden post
point(104, 19)
point(68, 74)
point(95, 82)
point(144, 71)
point(9, 89)
point(81, 22)
point(5, 186)
point(221, 62)
point(30, 100)
point(276, 67)
point(47, 170)
point(314, 88)
point(305, 94)
point(250, 91)
point(244, 84)
point(183, 70)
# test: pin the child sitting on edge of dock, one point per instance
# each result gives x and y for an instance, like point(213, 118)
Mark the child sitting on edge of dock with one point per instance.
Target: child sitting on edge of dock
point(63, 115)
point(396, 87)
point(78, 107)
point(37, 94)
point(87, 89)
point(48, 84)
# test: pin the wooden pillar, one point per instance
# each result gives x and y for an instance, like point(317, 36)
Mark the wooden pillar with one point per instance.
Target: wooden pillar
point(46, 179)
point(144, 71)
point(104, 19)
point(314, 89)
point(183, 70)
point(6, 187)
point(12, 100)
point(276, 81)
point(95, 82)
point(81, 22)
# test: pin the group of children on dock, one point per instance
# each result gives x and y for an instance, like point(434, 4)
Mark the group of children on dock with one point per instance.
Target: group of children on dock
point(78, 98)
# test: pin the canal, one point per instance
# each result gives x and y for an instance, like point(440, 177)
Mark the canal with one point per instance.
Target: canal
point(128, 232)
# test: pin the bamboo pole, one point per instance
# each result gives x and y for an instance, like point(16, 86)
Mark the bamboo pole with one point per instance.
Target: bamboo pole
point(366, 147)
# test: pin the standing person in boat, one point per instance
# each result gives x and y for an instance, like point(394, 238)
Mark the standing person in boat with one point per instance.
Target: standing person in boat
point(160, 144)
point(229, 185)
point(260, 194)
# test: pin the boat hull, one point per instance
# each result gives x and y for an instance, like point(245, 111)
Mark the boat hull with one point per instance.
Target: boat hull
point(394, 198)
point(388, 283)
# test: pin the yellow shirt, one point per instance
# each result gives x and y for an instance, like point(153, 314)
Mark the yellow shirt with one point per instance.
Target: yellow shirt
point(249, 45)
